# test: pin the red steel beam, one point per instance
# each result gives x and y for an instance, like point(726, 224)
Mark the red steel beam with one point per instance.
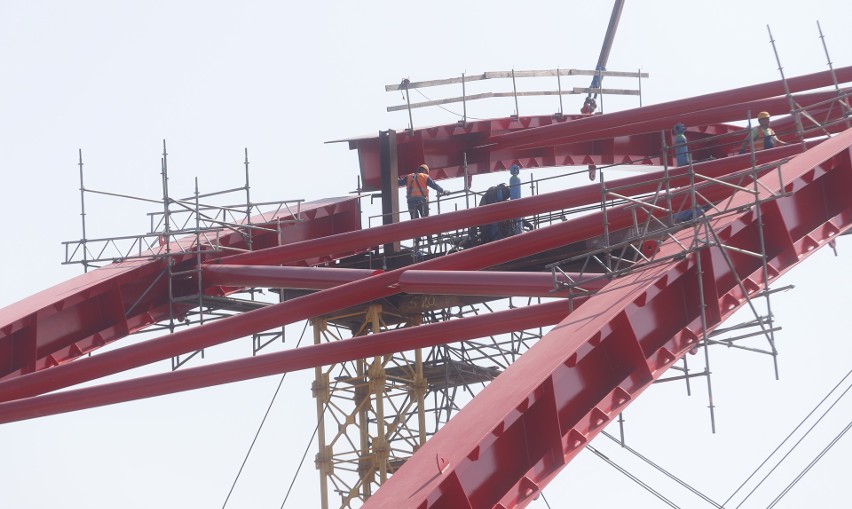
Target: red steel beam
point(497, 284)
point(300, 278)
point(449, 221)
point(669, 109)
point(94, 309)
point(720, 114)
point(276, 315)
point(503, 447)
point(423, 336)
point(346, 295)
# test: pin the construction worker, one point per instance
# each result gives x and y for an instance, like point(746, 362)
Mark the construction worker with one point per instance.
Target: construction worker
point(493, 231)
point(763, 136)
point(679, 141)
point(515, 193)
point(417, 186)
point(589, 106)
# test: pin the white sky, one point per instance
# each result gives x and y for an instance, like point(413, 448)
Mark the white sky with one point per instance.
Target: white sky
point(116, 78)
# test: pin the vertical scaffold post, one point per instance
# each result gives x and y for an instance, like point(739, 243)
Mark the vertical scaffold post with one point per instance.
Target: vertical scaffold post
point(248, 204)
point(795, 111)
point(833, 75)
point(464, 103)
point(605, 222)
point(405, 84)
point(164, 173)
point(515, 92)
point(82, 209)
point(699, 270)
point(559, 87)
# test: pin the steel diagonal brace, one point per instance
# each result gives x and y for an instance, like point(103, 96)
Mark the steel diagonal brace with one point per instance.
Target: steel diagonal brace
point(513, 438)
point(543, 134)
point(331, 299)
point(360, 347)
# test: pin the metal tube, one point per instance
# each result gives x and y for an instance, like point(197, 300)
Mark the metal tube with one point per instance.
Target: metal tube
point(281, 362)
point(670, 109)
point(793, 110)
point(82, 209)
point(515, 91)
point(494, 283)
point(301, 278)
point(831, 68)
point(522, 207)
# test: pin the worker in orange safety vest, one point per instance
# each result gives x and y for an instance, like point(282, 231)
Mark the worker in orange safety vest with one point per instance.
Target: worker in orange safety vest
point(417, 186)
point(763, 136)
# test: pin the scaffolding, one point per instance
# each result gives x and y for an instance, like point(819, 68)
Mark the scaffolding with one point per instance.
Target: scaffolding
point(189, 229)
point(373, 414)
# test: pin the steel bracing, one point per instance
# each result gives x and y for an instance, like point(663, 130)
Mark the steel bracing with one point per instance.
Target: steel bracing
point(631, 275)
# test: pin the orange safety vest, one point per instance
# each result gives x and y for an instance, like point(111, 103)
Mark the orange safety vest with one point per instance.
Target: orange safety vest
point(417, 185)
point(763, 138)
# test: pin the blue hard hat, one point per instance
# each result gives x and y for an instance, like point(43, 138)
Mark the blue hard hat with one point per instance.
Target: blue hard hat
point(515, 169)
point(679, 128)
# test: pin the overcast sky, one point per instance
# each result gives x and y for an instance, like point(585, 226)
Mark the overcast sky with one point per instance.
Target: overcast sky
point(212, 78)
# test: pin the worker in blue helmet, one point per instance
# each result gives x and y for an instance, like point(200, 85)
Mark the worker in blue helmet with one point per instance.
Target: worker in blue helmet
point(680, 144)
point(515, 193)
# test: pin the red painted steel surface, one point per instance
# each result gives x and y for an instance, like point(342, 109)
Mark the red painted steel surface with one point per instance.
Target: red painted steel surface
point(375, 287)
point(76, 317)
point(523, 428)
point(630, 136)
point(502, 448)
point(299, 278)
point(539, 315)
point(493, 283)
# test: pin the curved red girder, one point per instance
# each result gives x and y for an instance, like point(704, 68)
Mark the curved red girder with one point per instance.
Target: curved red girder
point(378, 286)
point(96, 308)
point(631, 136)
point(545, 407)
point(523, 428)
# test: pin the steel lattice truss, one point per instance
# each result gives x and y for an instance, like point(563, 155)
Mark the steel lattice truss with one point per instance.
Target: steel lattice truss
point(642, 290)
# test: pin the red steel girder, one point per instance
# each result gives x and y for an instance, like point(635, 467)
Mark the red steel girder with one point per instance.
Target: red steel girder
point(539, 315)
point(361, 291)
point(502, 448)
point(299, 278)
point(671, 109)
point(622, 137)
point(498, 284)
point(94, 309)
point(531, 205)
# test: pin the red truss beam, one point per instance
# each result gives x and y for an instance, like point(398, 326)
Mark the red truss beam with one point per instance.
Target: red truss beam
point(540, 315)
point(502, 448)
point(94, 309)
point(531, 205)
point(497, 284)
point(630, 136)
point(297, 278)
point(356, 292)
point(672, 109)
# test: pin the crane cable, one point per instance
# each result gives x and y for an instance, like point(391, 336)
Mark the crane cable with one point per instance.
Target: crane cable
point(260, 427)
point(633, 477)
point(307, 449)
point(794, 445)
point(663, 471)
point(810, 465)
